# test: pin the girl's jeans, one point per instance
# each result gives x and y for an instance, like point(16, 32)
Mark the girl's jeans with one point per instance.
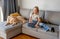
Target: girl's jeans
point(32, 24)
point(44, 26)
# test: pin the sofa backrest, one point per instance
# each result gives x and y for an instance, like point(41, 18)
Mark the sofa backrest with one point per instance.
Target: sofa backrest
point(53, 17)
point(26, 13)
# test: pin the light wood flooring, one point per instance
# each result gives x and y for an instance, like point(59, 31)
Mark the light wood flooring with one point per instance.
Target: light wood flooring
point(24, 36)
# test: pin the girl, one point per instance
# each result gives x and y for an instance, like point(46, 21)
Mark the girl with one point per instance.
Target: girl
point(34, 20)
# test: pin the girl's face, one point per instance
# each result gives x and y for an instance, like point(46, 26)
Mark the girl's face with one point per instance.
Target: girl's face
point(35, 10)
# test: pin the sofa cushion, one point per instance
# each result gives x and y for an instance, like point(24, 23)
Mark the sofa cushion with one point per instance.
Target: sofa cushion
point(15, 14)
point(49, 25)
point(8, 27)
point(26, 26)
point(26, 12)
point(40, 30)
point(53, 17)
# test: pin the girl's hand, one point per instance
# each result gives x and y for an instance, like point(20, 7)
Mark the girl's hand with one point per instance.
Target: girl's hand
point(36, 26)
point(30, 20)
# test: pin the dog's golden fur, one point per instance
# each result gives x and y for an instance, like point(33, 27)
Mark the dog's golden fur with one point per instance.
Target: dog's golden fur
point(15, 19)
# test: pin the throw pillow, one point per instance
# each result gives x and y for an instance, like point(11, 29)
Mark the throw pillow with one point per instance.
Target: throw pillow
point(15, 14)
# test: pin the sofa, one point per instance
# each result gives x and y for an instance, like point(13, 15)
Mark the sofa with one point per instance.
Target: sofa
point(51, 16)
point(9, 31)
point(59, 32)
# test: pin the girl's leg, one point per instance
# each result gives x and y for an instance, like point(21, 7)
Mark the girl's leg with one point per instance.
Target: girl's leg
point(31, 25)
point(35, 24)
point(45, 27)
point(41, 25)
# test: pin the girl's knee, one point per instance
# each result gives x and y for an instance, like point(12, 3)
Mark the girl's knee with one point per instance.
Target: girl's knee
point(41, 24)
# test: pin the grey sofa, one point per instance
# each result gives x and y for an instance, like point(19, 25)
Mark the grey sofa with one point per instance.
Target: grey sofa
point(59, 32)
point(51, 16)
point(9, 31)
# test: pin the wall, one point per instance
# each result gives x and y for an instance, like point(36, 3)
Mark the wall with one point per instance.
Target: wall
point(1, 10)
point(51, 5)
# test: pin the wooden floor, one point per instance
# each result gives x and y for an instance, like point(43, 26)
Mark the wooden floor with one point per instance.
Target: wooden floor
point(24, 36)
point(1, 38)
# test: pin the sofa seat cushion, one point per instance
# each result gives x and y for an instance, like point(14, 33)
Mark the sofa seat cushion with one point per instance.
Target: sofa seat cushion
point(8, 27)
point(49, 25)
point(53, 34)
point(41, 30)
point(26, 26)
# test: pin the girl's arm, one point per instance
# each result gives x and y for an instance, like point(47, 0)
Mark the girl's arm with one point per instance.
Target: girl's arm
point(38, 20)
point(30, 20)
point(37, 23)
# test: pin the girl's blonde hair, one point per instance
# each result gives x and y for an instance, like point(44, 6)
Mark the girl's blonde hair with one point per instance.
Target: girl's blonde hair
point(37, 9)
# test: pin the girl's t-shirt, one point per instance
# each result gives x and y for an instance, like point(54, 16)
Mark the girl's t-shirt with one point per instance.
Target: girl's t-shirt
point(34, 16)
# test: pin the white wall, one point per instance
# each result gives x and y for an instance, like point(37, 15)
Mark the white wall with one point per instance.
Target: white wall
point(52, 5)
point(1, 10)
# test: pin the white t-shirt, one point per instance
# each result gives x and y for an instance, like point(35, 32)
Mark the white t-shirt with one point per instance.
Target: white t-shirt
point(34, 16)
